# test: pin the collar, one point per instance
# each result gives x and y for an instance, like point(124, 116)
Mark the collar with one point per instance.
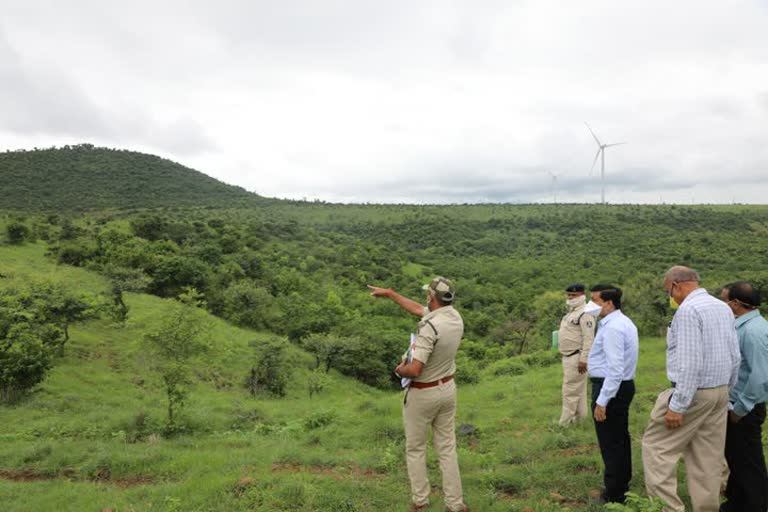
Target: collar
point(746, 317)
point(438, 311)
point(697, 291)
point(611, 316)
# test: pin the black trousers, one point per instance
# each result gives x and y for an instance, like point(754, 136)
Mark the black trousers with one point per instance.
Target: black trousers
point(613, 438)
point(747, 489)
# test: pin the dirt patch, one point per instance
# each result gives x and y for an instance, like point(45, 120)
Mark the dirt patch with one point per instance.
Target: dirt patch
point(24, 475)
point(578, 450)
point(102, 477)
point(337, 472)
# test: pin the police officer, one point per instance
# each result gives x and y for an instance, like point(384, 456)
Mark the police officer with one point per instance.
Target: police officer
point(577, 332)
point(431, 397)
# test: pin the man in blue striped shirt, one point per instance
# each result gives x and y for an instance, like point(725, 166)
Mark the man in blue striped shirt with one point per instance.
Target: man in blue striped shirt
point(612, 363)
point(689, 419)
point(747, 489)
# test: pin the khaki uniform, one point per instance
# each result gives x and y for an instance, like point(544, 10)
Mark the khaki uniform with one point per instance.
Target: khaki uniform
point(438, 336)
point(577, 332)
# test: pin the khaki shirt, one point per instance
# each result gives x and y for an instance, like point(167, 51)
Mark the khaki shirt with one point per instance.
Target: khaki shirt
point(577, 332)
point(437, 340)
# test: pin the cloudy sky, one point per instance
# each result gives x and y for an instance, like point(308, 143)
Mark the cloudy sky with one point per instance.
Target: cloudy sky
point(405, 101)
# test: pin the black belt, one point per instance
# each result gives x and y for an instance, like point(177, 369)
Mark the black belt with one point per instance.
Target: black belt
point(601, 379)
point(572, 353)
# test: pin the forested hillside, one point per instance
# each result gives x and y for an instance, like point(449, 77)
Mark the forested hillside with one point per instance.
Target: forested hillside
point(300, 270)
point(94, 434)
point(84, 177)
point(230, 358)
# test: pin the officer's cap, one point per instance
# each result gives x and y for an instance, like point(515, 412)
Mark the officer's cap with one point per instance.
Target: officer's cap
point(576, 287)
point(442, 288)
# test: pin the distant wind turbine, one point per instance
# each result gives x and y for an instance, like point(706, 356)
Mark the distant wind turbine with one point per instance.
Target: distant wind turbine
point(600, 153)
point(554, 185)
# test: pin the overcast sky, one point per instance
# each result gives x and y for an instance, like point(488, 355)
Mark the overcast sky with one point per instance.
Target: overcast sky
point(405, 101)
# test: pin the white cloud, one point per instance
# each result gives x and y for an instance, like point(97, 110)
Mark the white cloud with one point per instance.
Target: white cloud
point(405, 101)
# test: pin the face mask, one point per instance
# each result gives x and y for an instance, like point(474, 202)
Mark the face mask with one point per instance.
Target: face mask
point(576, 301)
point(593, 309)
point(672, 302)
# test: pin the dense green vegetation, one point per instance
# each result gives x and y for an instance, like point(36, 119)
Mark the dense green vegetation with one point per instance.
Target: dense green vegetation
point(162, 356)
point(93, 435)
point(84, 177)
point(300, 270)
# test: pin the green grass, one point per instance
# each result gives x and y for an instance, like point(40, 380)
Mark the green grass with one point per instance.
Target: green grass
point(71, 444)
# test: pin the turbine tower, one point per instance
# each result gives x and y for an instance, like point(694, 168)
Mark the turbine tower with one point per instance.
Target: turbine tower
point(554, 185)
point(600, 153)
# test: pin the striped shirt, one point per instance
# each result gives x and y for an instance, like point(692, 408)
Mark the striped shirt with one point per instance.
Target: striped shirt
point(702, 348)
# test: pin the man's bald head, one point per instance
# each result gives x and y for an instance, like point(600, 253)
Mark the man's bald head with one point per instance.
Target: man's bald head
point(680, 274)
point(680, 281)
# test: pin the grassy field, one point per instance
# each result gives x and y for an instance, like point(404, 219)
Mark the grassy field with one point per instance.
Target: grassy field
point(87, 438)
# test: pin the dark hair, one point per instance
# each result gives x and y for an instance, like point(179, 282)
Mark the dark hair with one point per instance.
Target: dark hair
point(608, 292)
point(743, 292)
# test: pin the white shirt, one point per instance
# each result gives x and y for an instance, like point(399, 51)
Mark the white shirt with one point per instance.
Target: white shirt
point(614, 354)
point(702, 348)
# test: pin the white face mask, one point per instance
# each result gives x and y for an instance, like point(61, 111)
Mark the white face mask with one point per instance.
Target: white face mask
point(576, 301)
point(593, 309)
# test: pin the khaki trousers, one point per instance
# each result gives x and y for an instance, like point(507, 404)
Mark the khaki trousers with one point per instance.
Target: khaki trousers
point(435, 407)
point(574, 391)
point(700, 441)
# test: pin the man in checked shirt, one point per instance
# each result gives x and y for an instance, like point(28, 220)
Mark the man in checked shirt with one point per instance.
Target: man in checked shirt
point(689, 419)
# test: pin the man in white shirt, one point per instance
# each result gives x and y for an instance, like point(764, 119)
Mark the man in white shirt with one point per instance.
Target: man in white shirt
point(612, 364)
point(689, 419)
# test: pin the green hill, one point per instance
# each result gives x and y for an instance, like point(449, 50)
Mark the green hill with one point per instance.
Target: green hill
point(84, 177)
point(87, 438)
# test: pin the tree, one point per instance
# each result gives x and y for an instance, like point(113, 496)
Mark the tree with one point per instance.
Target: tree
point(247, 304)
point(25, 354)
point(514, 330)
point(325, 348)
point(181, 337)
point(123, 280)
point(55, 304)
point(270, 372)
point(175, 273)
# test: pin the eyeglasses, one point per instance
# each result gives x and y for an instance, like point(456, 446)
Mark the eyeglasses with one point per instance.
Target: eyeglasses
point(669, 292)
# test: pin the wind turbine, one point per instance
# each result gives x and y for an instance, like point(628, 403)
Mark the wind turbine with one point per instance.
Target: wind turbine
point(554, 185)
point(600, 153)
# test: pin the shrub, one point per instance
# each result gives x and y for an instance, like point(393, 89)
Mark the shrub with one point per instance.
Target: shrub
point(17, 232)
point(637, 503)
point(540, 358)
point(24, 361)
point(316, 382)
point(509, 366)
point(467, 371)
point(271, 371)
point(319, 420)
point(75, 252)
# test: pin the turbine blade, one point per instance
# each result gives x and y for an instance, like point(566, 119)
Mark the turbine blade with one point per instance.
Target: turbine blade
point(595, 161)
point(593, 134)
